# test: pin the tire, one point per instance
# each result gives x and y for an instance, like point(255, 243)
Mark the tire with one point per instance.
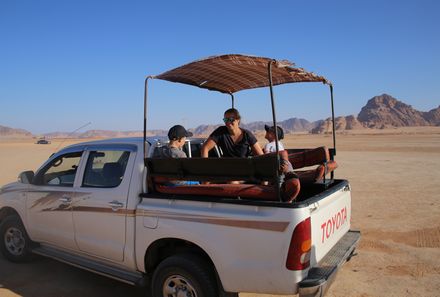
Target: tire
point(224, 294)
point(15, 244)
point(184, 275)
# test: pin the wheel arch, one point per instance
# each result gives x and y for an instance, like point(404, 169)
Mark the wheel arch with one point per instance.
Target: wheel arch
point(166, 247)
point(7, 211)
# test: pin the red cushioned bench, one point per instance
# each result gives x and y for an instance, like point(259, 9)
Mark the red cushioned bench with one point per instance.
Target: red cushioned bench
point(319, 156)
point(218, 171)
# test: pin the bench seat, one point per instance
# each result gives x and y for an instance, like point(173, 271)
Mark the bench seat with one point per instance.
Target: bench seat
point(218, 171)
point(319, 156)
point(239, 191)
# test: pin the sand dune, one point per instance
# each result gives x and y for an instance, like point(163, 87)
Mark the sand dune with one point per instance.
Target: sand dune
point(396, 204)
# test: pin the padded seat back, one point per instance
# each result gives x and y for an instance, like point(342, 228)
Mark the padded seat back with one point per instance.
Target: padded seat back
point(309, 157)
point(319, 156)
point(257, 169)
point(214, 169)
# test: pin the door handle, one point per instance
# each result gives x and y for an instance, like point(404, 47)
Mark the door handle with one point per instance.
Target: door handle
point(65, 199)
point(115, 205)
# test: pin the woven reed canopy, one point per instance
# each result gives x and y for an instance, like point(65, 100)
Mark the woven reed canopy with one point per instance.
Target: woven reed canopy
point(233, 73)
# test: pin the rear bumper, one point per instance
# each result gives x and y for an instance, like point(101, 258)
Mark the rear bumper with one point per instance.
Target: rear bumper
point(320, 277)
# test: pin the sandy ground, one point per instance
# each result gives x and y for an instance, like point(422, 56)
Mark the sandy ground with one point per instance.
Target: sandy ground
point(395, 178)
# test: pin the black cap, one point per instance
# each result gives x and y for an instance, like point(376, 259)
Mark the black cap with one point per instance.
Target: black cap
point(177, 132)
point(279, 130)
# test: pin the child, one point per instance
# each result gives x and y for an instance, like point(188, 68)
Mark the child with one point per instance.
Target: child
point(270, 147)
point(270, 136)
point(177, 136)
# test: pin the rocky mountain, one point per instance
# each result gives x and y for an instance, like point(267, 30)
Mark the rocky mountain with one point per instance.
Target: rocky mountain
point(384, 111)
point(380, 112)
point(7, 132)
point(341, 124)
point(203, 130)
point(432, 116)
point(289, 125)
point(104, 134)
point(109, 134)
point(296, 125)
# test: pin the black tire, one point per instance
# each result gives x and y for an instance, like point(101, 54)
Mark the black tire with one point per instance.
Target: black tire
point(224, 294)
point(15, 244)
point(185, 272)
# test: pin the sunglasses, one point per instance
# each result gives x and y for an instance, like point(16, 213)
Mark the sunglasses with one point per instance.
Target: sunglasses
point(229, 120)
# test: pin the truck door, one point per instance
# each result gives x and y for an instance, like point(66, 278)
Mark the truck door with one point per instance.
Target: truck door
point(100, 209)
point(49, 201)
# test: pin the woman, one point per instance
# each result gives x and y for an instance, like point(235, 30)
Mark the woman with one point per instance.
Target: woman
point(233, 140)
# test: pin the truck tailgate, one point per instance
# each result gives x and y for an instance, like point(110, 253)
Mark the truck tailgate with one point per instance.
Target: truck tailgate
point(330, 219)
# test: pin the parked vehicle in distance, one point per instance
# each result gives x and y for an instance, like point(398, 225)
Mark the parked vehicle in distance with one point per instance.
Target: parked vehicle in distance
point(107, 206)
point(43, 141)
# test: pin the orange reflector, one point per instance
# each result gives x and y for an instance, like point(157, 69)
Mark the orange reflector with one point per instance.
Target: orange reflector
point(306, 246)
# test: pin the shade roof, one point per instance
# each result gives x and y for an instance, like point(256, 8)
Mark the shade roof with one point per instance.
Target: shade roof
point(233, 73)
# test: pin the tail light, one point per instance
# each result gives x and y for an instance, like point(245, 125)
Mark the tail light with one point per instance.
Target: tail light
point(298, 257)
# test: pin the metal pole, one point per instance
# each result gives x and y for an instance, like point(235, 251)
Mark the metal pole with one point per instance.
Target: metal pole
point(333, 119)
point(232, 97)
point(269, 67)
point(145, 117)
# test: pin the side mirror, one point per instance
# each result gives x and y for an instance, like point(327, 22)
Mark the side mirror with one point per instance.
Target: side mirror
point(26, 177)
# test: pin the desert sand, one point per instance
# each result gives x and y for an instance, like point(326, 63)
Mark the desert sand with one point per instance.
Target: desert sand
point(394, 175)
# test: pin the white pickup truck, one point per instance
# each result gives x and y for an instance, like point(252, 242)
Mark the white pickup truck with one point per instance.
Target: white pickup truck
point(103, 206)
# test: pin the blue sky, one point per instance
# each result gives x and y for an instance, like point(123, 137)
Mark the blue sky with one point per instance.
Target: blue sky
point(66, 63)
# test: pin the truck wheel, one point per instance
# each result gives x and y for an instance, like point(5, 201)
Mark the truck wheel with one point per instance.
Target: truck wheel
point(184, 275)
point(14, 241)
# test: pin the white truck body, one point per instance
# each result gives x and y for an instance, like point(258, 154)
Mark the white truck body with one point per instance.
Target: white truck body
point(115, 231)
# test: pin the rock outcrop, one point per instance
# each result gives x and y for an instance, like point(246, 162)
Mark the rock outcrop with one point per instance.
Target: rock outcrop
point(384, 111)
point(7, 132)
point(380, 112)
point(341, 124)
point(432, 116)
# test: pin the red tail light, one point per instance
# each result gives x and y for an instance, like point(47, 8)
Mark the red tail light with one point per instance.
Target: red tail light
point(298, 257)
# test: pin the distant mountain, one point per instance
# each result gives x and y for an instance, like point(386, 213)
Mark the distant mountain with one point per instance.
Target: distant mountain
point(385, 111)
point(341, 124)
point(432, 116)
point(109, 134)
point(289, 126)
point(203, 130)
point(297, 125)
point(7, 132)
point(104, 134)
point(380, 112)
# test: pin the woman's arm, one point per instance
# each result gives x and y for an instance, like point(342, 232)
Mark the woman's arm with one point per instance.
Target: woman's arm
point(206, 147)
point(256, 149)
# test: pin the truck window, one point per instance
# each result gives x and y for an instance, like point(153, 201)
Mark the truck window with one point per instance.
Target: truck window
point(105, 169)
point(59, 172)
point(196, 150)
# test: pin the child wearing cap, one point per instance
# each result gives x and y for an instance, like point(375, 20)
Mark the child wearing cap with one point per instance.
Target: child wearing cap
point(270, 147)
point(177, 136)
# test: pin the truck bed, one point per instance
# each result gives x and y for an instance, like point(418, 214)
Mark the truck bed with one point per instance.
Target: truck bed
point(309, 194)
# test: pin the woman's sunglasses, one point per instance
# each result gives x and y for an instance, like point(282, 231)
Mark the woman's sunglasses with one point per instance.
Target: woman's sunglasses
point(228, 120)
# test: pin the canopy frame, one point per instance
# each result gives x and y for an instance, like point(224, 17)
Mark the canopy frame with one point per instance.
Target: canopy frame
point(186, 77)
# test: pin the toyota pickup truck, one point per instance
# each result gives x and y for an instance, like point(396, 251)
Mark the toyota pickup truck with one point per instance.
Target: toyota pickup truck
point(106, 206)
